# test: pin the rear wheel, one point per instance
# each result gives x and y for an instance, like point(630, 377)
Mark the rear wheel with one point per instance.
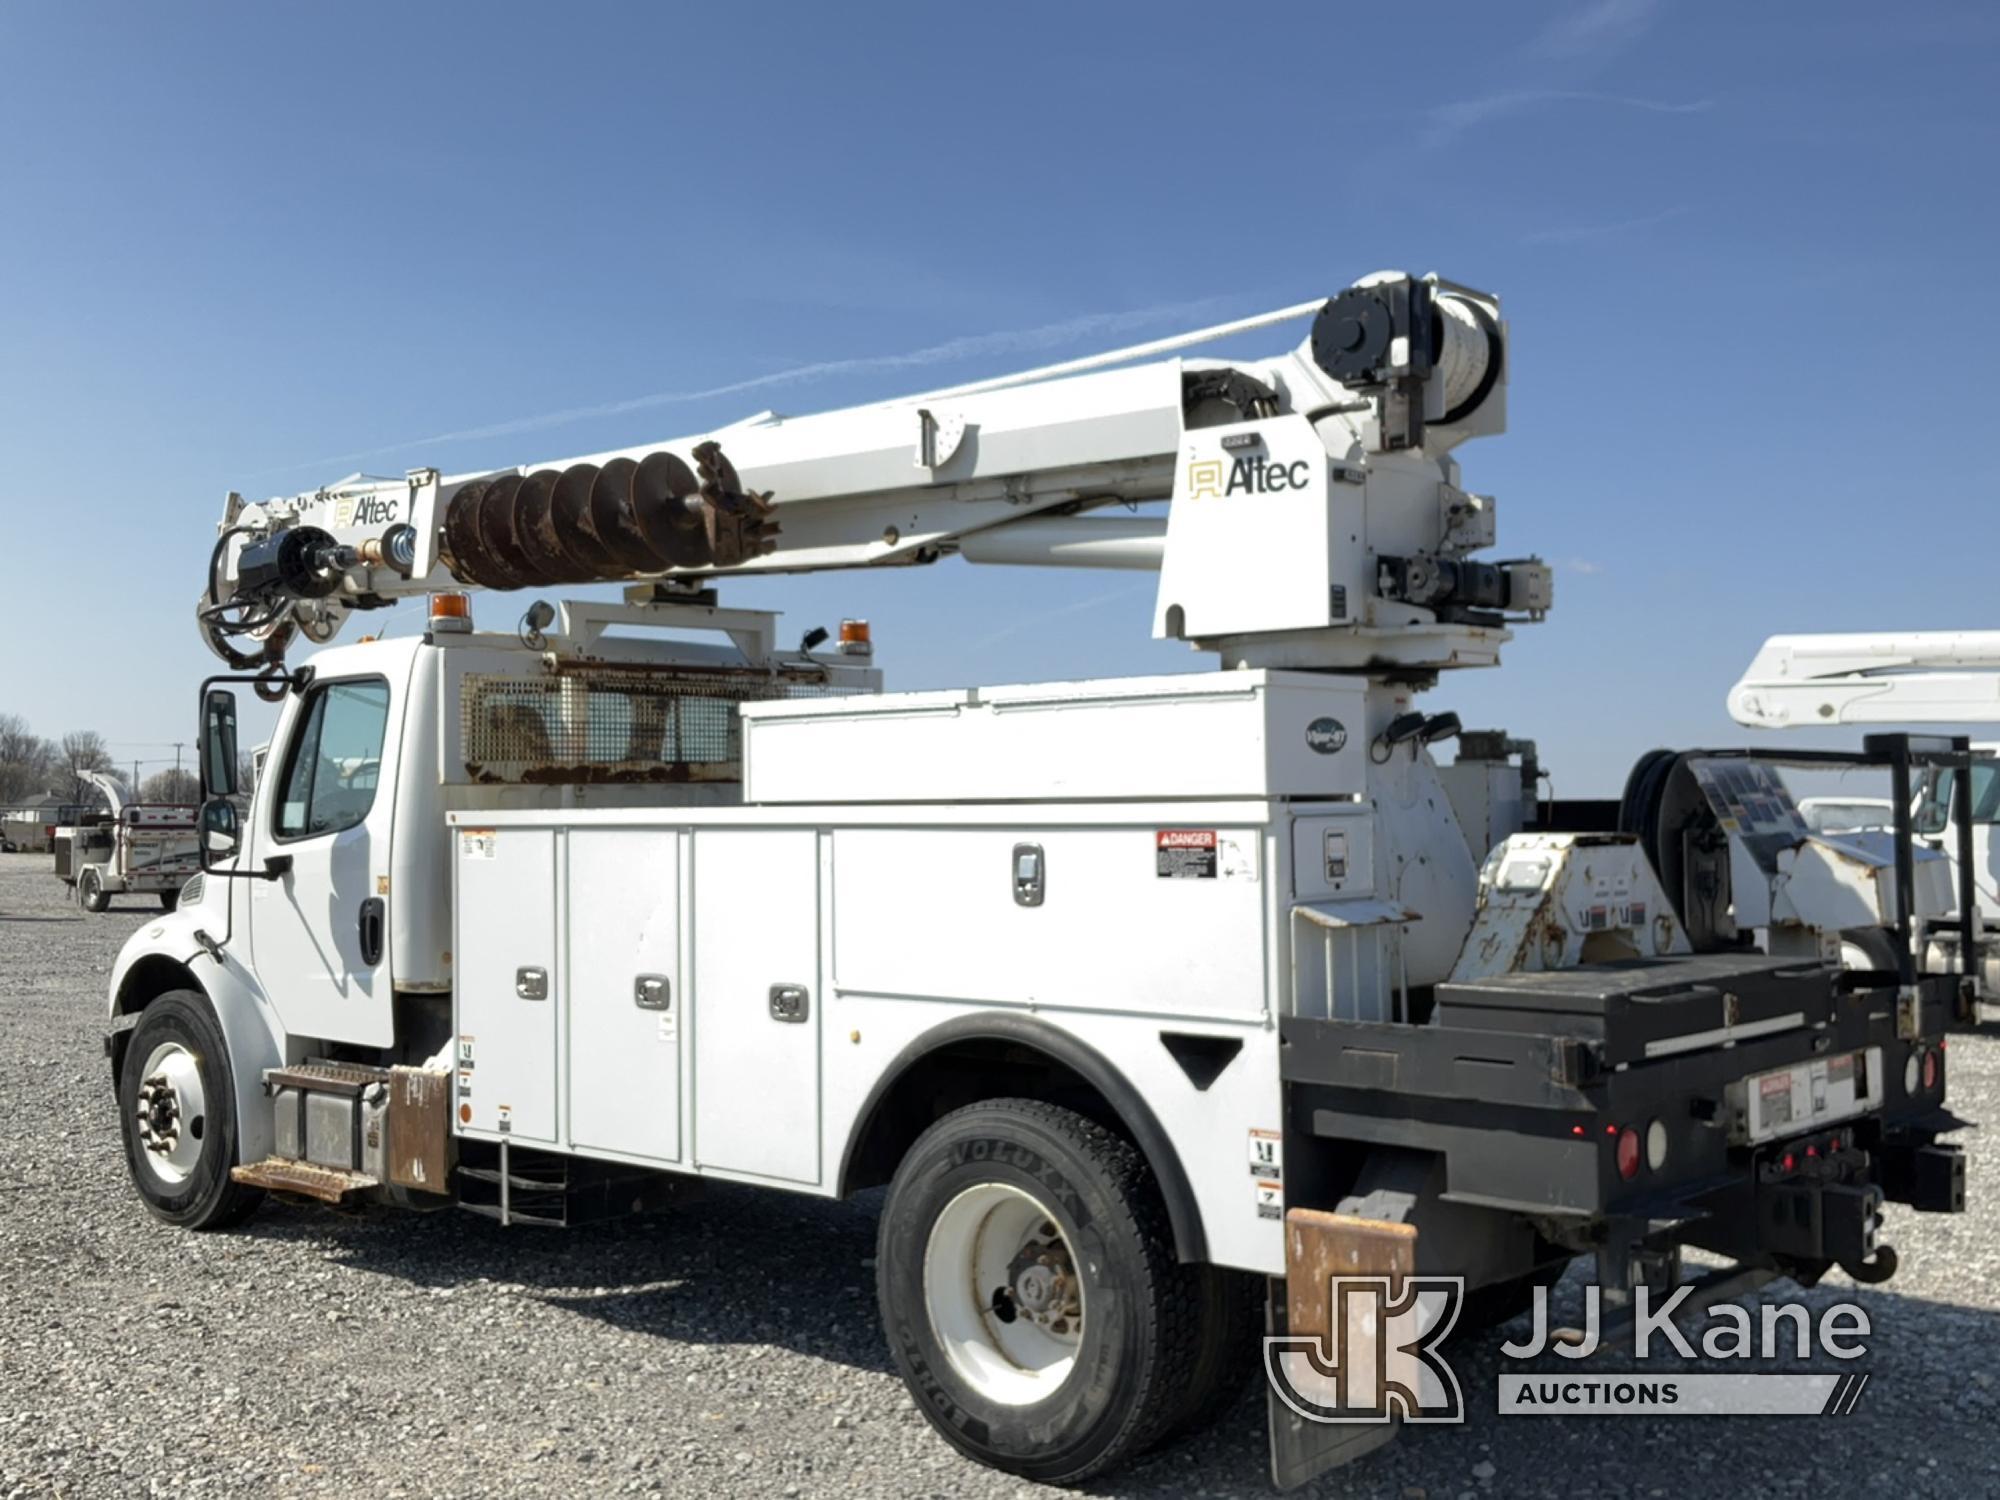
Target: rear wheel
point(169, 900)
point(177, 1105)
point(90, 890)
point(1030, 1292)
point(1229, 1344)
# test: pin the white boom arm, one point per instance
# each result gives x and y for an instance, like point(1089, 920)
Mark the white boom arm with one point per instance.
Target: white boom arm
point(1317, 517)
point(1909, 677)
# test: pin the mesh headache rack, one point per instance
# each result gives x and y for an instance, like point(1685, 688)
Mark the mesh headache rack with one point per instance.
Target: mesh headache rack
point(600, 722)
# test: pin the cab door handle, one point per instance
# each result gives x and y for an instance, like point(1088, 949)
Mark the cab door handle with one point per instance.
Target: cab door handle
point(373, 925)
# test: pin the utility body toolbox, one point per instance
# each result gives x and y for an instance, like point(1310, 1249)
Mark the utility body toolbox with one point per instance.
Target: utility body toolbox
point(1647, 1090)
point(1640, 1009)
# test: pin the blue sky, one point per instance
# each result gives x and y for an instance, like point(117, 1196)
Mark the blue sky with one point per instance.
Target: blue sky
point(1743, 249)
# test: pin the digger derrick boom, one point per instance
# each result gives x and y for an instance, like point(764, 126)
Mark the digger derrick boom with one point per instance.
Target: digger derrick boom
point(1395, 373)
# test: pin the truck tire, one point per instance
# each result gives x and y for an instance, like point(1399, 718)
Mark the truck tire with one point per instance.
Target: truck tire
point(169, 900)
point(1229, 1346)
point(177, 1109)
point(1867, 948)
point(1030, 1292)
point(90, 890)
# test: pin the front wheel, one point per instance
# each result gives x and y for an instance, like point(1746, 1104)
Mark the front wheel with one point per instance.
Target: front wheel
point(1030, 1292)
point(177, 1104)
point(90, 890)
point(169, 900)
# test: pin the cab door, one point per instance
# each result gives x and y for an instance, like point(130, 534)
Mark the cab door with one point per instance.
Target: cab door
point(319, 931)
point(1935, 817)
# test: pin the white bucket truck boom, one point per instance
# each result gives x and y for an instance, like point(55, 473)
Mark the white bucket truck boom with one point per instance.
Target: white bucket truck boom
point(1909, 677)
point(1138, 994)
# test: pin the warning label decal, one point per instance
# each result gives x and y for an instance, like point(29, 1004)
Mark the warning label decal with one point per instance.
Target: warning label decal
point(1186, 854)
point(1267, 1173)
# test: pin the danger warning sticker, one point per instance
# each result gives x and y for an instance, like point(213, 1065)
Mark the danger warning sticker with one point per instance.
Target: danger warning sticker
point(1186, 854)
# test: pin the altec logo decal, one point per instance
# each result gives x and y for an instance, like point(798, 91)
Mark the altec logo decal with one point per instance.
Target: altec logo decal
point(364, 510)
point(1217, 478)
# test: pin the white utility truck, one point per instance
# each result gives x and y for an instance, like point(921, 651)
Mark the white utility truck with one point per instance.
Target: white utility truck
point(1149, 1000)
point(1929, 677)
point(132, 848)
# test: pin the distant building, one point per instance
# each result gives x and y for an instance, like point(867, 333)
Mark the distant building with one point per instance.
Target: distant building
point(26, 824)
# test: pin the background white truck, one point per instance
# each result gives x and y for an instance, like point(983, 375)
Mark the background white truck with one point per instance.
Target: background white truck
point(1925, 677)
point(135, 848)
point(1150, 1000)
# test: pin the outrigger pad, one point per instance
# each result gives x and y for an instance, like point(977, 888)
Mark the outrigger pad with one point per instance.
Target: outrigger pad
point(1318, 1247)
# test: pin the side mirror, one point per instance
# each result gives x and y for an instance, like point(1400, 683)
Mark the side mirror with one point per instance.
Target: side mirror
point(218, 748)
point(221, 832)
point(1932, 814)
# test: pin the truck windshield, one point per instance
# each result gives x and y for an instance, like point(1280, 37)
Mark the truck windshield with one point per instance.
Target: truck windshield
point(330, 775)
point(1985, 795)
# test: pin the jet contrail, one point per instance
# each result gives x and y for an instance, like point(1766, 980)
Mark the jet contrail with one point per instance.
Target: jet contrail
point(972, 346)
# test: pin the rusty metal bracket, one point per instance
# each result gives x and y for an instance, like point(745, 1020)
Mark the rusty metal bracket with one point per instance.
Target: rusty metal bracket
point(1320, 1246)
point(420, 1129)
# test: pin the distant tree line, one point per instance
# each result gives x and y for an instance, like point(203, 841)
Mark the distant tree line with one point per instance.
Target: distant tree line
point(31, 765)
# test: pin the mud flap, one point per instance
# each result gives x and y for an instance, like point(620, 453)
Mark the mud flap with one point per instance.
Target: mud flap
point(1318, 1247)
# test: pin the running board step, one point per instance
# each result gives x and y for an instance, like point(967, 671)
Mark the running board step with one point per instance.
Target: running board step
point(277, 1174)
point(525, 1186)
point(347, 1079)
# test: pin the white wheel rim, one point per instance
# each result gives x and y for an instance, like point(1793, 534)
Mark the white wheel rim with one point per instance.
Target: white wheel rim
point(1004, 1294)
point(171, 1112)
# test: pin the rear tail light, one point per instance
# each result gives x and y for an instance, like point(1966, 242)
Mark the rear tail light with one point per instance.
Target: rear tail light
point(1628, 1153)
point(1932, 1068)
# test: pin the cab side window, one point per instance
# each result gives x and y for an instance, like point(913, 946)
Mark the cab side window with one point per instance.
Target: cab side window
point(335, 759)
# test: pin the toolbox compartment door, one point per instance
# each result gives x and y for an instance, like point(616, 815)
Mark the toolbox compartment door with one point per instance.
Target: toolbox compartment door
point(507, 983)
point(757, 1001)
point(625, 995)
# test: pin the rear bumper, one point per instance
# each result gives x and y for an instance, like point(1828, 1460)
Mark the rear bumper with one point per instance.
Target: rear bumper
point(1529, 1122)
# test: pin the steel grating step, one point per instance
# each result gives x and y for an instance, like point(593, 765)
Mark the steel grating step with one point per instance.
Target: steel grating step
point(325, 1077)
point(278, 1174)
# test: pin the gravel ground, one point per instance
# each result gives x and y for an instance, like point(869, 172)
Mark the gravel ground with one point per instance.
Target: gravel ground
point(730, 1348)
